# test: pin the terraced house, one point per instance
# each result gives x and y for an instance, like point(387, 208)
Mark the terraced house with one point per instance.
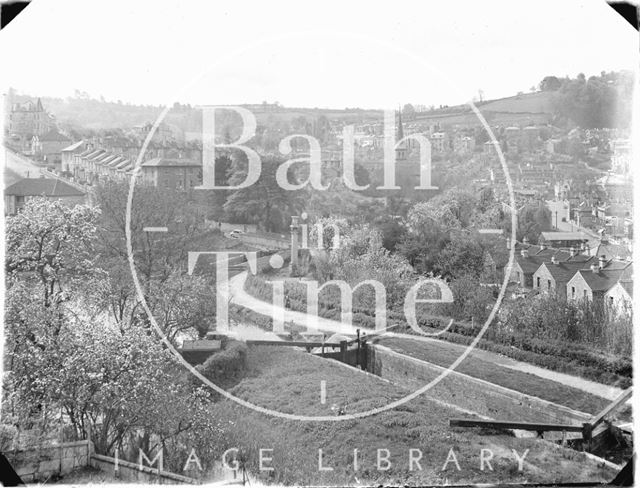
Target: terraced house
point(552, 277)
point(600, 280)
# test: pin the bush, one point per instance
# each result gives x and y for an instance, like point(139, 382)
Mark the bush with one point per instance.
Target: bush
point(227, 367)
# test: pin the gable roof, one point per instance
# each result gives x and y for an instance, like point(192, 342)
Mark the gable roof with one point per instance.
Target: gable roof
point(565, 270)
point(536, 256)
point(627, 286)
point(603, 279)
point(610, 250)
point(49, 187)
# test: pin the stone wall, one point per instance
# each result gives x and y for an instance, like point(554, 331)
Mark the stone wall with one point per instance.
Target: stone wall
point(469, 393)
point(42, 463)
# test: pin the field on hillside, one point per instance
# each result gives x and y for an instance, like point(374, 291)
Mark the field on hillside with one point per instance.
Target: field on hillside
point(289, 381)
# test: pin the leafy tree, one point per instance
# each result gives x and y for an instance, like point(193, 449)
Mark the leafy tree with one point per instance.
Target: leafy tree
point(461, 256)
point(53, 244)
point(550, 83)
point(264, 203)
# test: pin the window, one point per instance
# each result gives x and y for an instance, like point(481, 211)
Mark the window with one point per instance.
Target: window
point(538, 282)
point(573, 292)
point(548, 284)
point(584, 293)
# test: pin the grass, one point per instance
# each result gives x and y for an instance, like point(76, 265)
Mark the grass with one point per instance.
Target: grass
point(288, 380)
point(440, 353)
point(586, 367)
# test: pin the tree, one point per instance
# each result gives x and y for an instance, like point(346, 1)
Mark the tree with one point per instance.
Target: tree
point(264, 203)
point(52, 243)
point(550, 83)
point(408, 110)
point(461, 256)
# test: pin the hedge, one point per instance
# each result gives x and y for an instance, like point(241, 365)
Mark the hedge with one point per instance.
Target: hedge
point(227, 367)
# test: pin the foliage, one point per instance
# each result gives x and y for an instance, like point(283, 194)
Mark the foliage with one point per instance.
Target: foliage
point(53, 244)
point(597, 102)
point(226, 367)
point(264, 203)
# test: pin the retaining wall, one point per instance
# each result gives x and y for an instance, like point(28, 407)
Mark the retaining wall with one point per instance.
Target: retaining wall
point(484, 398)
point(41, 463)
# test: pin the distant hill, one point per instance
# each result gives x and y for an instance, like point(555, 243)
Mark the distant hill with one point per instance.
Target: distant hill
point(519, 109)
point(538, 102)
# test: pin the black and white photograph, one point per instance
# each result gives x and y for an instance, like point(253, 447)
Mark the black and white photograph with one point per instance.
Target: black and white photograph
point(338, 243)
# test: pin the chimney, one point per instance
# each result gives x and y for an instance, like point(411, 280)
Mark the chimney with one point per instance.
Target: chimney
point(554, 259)
point(594, 268)
point(525, 240)
point(524, 253)
point(543, 246)
point(572, 251)
point(602, 261)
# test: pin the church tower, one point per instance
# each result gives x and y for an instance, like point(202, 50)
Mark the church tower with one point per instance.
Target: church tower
point(401, 148)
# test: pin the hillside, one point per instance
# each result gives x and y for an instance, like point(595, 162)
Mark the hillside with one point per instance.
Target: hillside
point(421, 424)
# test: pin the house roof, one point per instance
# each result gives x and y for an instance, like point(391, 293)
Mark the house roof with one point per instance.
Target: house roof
point(53, 136)
point(563, 271)
point(603, 279)
point(93, 154)
point(115, 162)
point(537, 255)
point(162, 162)
point(612, 251)
point(73, 146)
point(99, 154)
point(49, 187)
point(628, 287)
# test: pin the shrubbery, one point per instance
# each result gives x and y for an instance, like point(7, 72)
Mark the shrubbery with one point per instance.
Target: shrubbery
point(226, 367)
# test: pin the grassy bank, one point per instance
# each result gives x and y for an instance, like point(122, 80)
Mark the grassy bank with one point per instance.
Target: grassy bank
point(288, 380)
point(563, 357)
point(474, 365)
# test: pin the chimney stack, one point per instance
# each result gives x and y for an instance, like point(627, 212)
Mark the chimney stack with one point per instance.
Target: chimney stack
point(572, 251)
point(525, 240)
point(554, 259)
point(524, 253)
point(594, 268)
point(602, 261)
point(543, 246)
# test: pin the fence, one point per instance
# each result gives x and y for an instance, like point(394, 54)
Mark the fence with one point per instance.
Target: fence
point(128, 471)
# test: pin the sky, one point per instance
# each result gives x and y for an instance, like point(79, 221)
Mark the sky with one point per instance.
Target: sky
point(315, 54)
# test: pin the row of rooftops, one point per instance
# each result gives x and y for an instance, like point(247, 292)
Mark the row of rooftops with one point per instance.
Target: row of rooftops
point(106, 159)
point(600, 271)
